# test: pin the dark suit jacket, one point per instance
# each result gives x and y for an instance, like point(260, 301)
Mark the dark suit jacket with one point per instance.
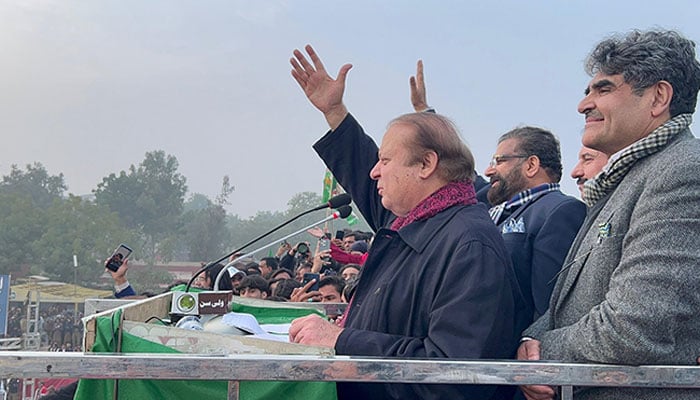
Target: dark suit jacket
point(481, 186)
point(538, 235)
point(441, 287)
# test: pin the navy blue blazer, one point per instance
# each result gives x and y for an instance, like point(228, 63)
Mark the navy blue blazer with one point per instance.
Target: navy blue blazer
point(538, 236)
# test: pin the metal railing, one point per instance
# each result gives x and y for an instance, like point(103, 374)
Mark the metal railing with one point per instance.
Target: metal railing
point(234, 368)
point(10, 344)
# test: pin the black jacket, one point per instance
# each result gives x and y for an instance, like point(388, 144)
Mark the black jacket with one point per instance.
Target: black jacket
point(438, 288)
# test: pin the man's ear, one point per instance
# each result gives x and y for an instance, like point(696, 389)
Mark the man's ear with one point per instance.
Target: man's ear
point(428, 164)
point(263, 295)
point(663, 92)
point(531, 166)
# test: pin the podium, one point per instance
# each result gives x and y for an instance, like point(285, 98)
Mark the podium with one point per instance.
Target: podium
point(138, 327)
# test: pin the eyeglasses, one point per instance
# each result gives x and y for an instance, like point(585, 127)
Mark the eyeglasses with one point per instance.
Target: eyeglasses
point(500, 158)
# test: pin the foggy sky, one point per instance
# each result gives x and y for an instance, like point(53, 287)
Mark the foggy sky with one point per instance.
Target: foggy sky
point(88, 87)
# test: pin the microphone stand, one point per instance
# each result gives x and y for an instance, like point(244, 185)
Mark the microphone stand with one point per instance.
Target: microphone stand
point(343, 198)
point(334, 215)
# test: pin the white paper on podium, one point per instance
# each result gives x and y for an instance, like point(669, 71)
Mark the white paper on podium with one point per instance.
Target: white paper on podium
point(248, 323)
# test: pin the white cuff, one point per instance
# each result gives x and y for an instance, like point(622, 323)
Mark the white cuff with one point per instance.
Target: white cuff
point(119, 288)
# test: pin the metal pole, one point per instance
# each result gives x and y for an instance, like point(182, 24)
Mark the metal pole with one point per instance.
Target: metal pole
point(75, 288)
point(75, 273)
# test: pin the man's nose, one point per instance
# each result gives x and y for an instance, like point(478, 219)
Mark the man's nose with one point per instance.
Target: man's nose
point(374, 172)
point(585, 105)
point(577, 172)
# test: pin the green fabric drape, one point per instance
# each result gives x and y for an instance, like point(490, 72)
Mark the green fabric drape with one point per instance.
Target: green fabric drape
point(137, 389)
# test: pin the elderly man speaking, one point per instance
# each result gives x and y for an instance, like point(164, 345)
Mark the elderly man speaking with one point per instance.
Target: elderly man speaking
point(438, 281)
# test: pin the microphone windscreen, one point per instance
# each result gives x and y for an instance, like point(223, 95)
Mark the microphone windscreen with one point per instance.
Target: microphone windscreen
point(344, 211)
point(339, 200)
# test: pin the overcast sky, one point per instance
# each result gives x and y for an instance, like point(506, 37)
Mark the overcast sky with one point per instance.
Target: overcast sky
point(88, 87)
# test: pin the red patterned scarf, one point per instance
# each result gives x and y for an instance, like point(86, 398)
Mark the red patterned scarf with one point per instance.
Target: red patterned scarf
point(453, 193)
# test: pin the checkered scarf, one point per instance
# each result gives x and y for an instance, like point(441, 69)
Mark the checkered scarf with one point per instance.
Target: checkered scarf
point(610, 177)
point(521, 198)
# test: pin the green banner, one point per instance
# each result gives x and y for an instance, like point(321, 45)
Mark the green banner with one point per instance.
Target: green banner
point(330, 186)
point(138, 389)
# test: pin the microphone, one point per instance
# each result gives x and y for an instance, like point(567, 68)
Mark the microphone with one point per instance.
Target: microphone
point(338, 201)
point(342, 212)
point(334, 202)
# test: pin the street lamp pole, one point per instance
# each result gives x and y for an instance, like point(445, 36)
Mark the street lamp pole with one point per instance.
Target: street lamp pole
point(75, 287)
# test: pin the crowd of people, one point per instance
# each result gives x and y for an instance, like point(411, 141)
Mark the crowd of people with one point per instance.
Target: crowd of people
point(509, 267)
point(60, 329)
point(299, 273)
point(294, 274)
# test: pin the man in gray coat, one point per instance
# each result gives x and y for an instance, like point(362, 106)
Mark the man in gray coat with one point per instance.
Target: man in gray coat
point(629, 290)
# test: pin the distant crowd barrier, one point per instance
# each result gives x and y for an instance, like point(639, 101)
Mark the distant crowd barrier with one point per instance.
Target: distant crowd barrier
point(259, 367)
point(10, 344)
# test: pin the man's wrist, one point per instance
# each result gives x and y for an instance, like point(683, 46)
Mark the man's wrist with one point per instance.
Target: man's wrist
point(335, 116)
point(118, 287)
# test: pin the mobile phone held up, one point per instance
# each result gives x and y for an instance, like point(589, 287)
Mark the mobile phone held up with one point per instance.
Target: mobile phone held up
point(308, 277)
point(117, 258)
point(324, 244)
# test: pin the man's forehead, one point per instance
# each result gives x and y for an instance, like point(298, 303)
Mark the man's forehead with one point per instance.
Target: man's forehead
point(600, 79)
point(329, 289)
point(586, 152)
point(507, 146)
point(396, 136)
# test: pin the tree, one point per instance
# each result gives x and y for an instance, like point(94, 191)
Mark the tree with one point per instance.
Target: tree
point(149, 199)
point(204, 229)
point(80, 227)
point(226, 190)
point(301, 202)
point(149, 279)
point(196, 202)
point(243, 230)
point(22, 224)
point(36, 183)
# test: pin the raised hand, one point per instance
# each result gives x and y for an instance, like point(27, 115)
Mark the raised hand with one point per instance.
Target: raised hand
point(119, 275)
point(417, 83)
point(302, 294)
point(315, 232)
point(324, 92)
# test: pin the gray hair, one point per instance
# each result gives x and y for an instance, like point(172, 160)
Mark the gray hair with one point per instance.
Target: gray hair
point(645, 58)
point(434, 132)
point(533, 141)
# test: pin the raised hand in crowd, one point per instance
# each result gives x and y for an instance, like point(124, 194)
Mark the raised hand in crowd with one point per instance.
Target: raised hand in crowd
point(302, 294)
point(284, 248)
point(321, 258)
point(316, 232)
point(337, 242)
point(119, 275)
point(324, 92)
